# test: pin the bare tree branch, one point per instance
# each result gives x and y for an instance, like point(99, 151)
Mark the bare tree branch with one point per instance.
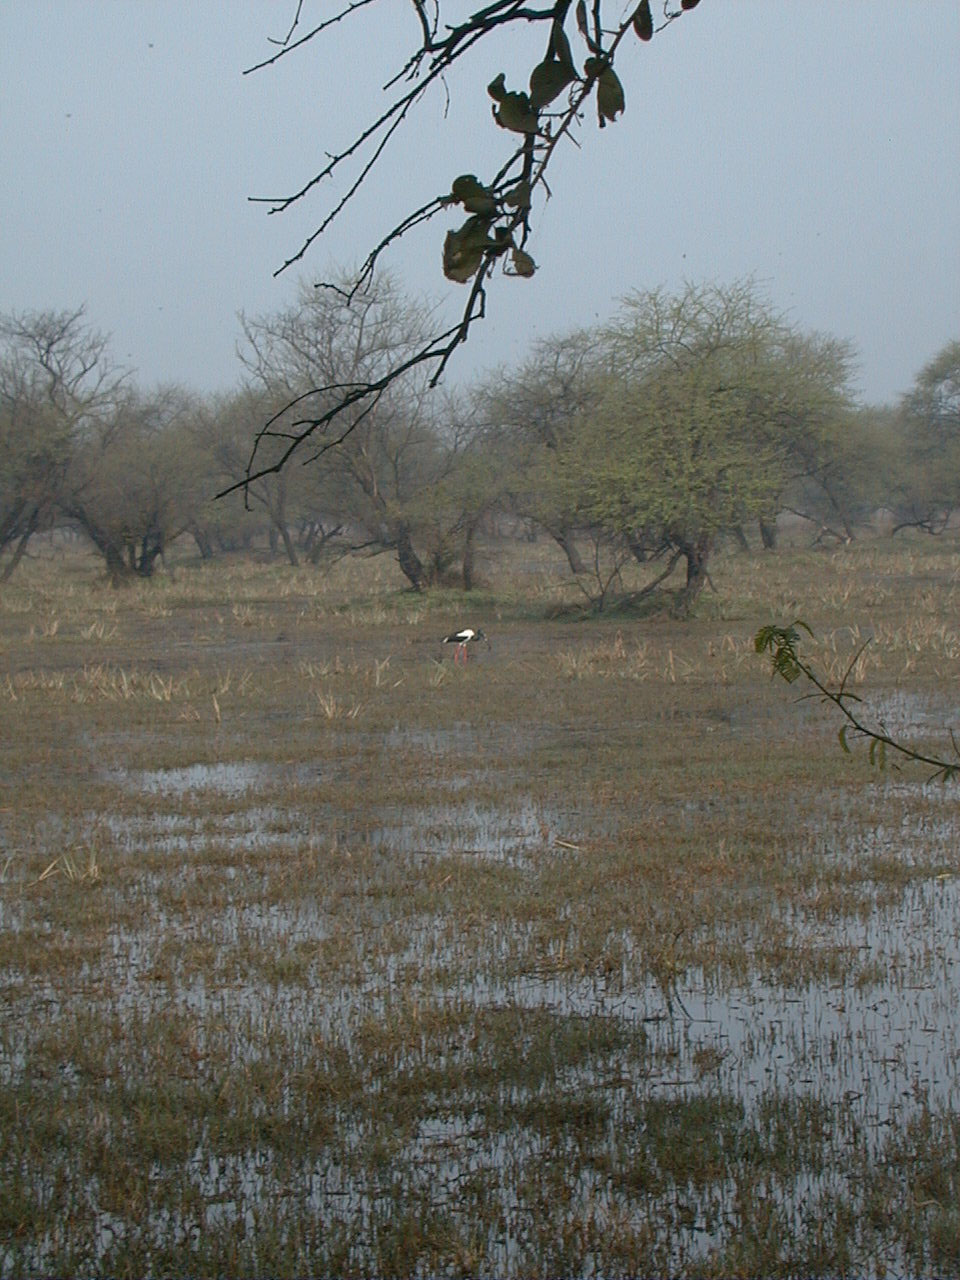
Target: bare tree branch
point(498, 224)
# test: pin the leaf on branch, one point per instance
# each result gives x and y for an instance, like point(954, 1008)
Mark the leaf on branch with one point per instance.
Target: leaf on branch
point(687, 5)
point(519, 196)
point(523, 264)
point(582, 20)
point(548, 80)
point(643, 21)
point(515, 113)
point(761, 641)
point(473, 195)
point(560, 46)
point(782, 644)
point(610, 96)
point(497, 89)
point(464, 249)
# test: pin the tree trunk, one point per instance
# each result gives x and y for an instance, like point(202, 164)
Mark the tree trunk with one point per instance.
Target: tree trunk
point(638, 549)
point(696, 553)
point(10, 567)
point(202, 539)
point(840, 510)
point(319, 537)
point(117, 566)
point(288, 546)
point(409, 561)
point(150, 549)
point(740, 537)
point(110, 547)
point(469, 558)
point(564, 538)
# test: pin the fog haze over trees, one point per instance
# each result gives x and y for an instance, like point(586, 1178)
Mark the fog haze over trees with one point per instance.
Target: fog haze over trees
point(683, 421)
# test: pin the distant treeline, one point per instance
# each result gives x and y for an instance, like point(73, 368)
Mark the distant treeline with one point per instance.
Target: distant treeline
point(686, 418)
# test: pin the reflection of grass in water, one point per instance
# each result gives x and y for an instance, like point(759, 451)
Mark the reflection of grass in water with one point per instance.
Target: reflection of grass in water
point(408, 989)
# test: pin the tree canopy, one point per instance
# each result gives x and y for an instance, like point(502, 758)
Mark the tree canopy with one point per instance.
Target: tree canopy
point(691, 411)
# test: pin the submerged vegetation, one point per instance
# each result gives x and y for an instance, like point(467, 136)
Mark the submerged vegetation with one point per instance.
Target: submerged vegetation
point(321, 953)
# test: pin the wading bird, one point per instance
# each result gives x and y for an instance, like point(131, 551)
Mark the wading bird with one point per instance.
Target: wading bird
point(461, 639)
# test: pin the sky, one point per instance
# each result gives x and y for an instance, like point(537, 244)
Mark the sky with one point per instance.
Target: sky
point(812, 144)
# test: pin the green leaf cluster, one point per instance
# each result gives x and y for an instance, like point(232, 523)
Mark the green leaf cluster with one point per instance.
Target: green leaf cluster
point(782, 644)
point(683, 434)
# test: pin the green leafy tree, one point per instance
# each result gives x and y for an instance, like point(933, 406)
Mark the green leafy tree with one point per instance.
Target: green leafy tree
point(818, 432)
point(854, 469)
point(927, 486)
point(527, 416)
point(702, 396)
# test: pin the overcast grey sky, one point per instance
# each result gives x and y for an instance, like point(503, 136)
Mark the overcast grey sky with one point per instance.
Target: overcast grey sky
point(814, 144)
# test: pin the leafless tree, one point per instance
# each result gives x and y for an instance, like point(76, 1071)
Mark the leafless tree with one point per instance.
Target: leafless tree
point(131, 486)
point(57, 380)
point(314, 354)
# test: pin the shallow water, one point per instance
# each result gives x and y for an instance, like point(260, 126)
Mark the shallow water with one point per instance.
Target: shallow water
point(907, 715)
point(247, 829)
point(874, 1050)
point(500, 832)
point(235, 778)
point(872, 1056)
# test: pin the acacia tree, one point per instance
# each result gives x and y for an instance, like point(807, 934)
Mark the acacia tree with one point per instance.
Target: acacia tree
point(56, 382)
point(688, 437)
point(825, 440)
point(277, 499)
point(217, 440)
point(854, 470)
point(392, 458)
point(132, 485)
point(470, 479)
point(576, 66)
point(927, 487)
point(527, 416)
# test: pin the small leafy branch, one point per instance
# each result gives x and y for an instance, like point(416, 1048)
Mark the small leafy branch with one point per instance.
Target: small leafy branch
point(783, 645)
point(582, 40)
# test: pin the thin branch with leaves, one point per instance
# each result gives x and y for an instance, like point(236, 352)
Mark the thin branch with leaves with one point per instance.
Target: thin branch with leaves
point(499, 212)
point(783, 646)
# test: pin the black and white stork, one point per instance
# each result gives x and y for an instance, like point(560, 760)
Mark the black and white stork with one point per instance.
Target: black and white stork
point(467, 635)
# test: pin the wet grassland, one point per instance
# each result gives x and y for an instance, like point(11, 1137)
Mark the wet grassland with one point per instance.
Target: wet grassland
point(322, 954)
